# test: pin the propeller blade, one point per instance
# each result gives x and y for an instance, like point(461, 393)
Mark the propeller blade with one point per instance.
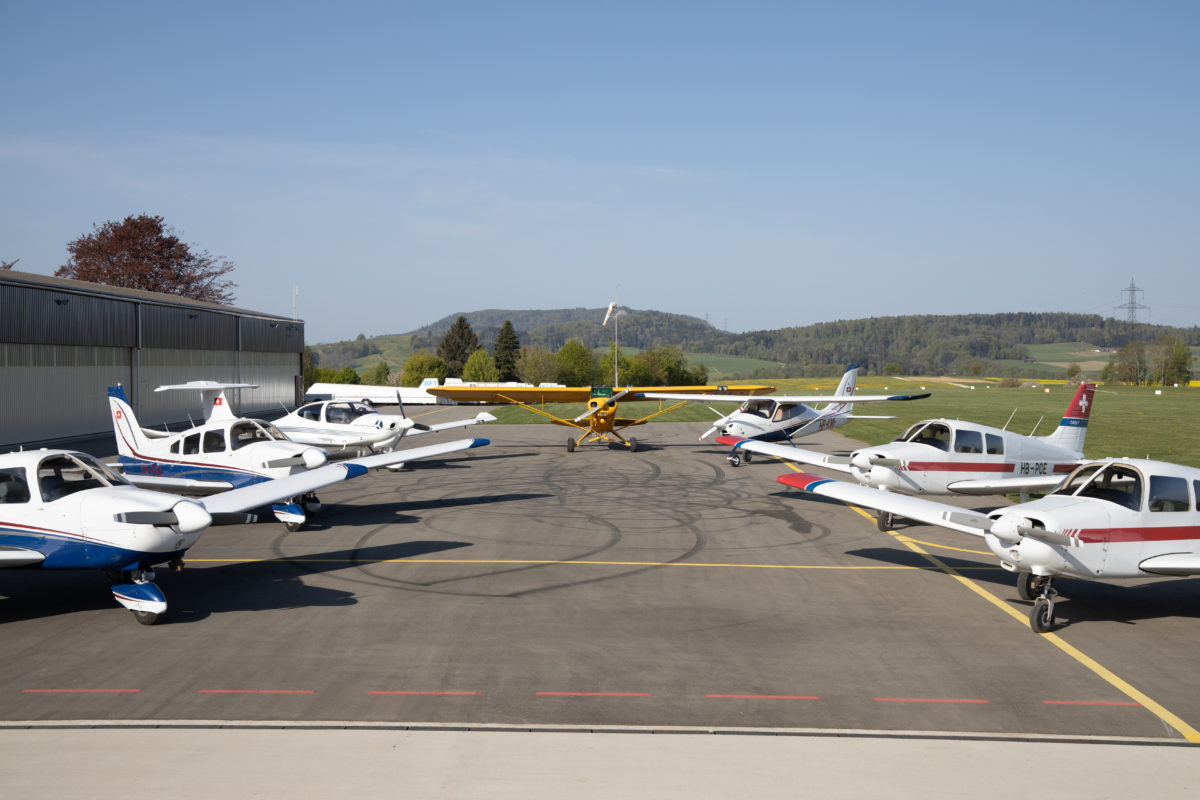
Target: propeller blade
point(233, 518)
point(146, 517)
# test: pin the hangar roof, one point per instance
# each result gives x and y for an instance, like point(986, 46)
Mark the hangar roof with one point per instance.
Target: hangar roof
point(33, 279)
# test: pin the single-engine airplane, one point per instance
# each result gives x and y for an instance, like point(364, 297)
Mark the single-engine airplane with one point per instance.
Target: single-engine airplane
point(65, 510)
point(1116, 518)
point(346, 425)
point(600, 421)
point(225, 452)
point(945, 456)
point(782, 417)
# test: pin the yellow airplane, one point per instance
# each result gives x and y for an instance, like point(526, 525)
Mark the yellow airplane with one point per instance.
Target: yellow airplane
point(600, 422)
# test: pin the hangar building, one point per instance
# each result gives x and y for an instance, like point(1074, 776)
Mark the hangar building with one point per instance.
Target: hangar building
point(63, 342)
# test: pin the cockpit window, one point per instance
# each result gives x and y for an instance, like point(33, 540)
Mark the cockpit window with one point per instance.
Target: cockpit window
point(214, 441)
point(1168, 494)
point(62, 475)
point(759, 408)
point(995, 445)
point(934, 434)
point(788, 410)
point(246, 432)
point(14, 488)
point(968, 442)
point(1115, 483)
point(312, 412)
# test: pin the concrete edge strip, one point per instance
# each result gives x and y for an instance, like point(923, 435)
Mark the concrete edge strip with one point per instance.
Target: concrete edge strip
point(834, 733)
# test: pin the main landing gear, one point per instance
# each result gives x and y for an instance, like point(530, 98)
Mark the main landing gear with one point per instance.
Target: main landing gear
point(884, 520)
point(135, 589)
point(737, 457)
point(1039, 589)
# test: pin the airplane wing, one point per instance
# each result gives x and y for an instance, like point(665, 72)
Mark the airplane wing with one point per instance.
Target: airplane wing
point(162, 483)
point(581, 394)
point(261, 494)
point(916, 508)
point(1172, 564)
point(787, 452)
point(782, 398)
point(19, 557)
point(513, 394)
point(481, 417)
point(1031, 483)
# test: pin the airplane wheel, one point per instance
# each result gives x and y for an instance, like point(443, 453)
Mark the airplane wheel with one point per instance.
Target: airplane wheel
point(747, 456)
point(735, 460)
point(884, 521)
point(146, 617)
point(292, 526)
point(1041, 618)
point(570, 445)
point(632, 445)
point(1027, 587)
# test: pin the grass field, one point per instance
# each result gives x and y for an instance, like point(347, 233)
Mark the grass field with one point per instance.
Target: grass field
point(1125, 421)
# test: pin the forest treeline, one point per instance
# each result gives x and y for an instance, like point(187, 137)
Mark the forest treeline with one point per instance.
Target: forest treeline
point(913, 345)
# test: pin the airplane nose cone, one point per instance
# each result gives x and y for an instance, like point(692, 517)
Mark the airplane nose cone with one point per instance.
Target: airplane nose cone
point(192, 517)
point(313, 457)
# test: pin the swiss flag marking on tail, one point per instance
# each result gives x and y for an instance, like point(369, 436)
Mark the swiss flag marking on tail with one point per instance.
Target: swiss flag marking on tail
point(1081, 405)
point(218, 401)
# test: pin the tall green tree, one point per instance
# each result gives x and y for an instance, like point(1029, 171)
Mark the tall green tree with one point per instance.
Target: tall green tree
point(377, 374)
point(536, 365)
point(576, 364)
point(480, 368)
point(421, 365)
point(143, 252)
point(457, 345)
point(1129, 363)
point(1170, 362)
point(505, 351)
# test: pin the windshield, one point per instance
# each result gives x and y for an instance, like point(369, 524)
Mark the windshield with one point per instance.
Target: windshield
point(934, 434)
point(64, 474)
point(1115, 483)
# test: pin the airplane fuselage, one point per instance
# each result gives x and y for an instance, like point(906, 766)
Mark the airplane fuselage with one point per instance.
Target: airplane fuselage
point(944, 452)
point(1145, 523)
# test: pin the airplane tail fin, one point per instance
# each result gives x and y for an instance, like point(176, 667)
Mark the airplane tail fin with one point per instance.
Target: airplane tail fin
point(218, 407)
point(130, 438)
point(845, 389)
point(1073, 429)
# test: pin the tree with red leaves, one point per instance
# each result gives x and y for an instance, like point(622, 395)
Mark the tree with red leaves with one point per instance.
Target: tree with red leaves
point(143, 253)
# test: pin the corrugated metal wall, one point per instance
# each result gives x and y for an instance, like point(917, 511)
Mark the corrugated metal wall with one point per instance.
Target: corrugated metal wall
point(60, 350)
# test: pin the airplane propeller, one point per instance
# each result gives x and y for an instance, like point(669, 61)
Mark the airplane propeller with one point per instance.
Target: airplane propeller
point(185, 517)
point(310, 459)
point(608, 403)
point(719, 424)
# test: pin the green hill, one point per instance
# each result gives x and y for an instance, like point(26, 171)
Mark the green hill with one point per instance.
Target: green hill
point(1018, 344)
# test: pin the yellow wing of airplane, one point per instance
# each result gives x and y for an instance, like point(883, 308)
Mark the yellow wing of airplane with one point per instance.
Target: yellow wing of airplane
point(600, 421)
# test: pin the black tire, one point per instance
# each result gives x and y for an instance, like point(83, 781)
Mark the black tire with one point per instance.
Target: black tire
point(1041, 616)
point(146, 617)
point(293, 526)
point(884, 521)
point(1026, 589)
point(735, 460)
point(570, 445)
point(632, 445)
point(746, 456)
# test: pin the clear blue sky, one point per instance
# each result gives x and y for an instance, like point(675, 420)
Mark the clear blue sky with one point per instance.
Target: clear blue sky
point(759, 164)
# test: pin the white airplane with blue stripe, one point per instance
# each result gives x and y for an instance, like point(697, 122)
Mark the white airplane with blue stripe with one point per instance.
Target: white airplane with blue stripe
point(780, 418)
point(66, 510)
point(228, 452)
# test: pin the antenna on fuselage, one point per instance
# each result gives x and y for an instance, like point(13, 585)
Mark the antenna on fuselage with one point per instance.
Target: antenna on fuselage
point(1035, 427)
point(1010, 418)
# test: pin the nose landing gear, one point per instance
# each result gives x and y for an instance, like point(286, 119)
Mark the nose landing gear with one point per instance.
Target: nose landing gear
point(1039, 589)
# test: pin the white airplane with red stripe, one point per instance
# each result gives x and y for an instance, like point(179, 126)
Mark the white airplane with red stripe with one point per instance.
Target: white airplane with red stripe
point(1114, 519)
point(946, 456)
